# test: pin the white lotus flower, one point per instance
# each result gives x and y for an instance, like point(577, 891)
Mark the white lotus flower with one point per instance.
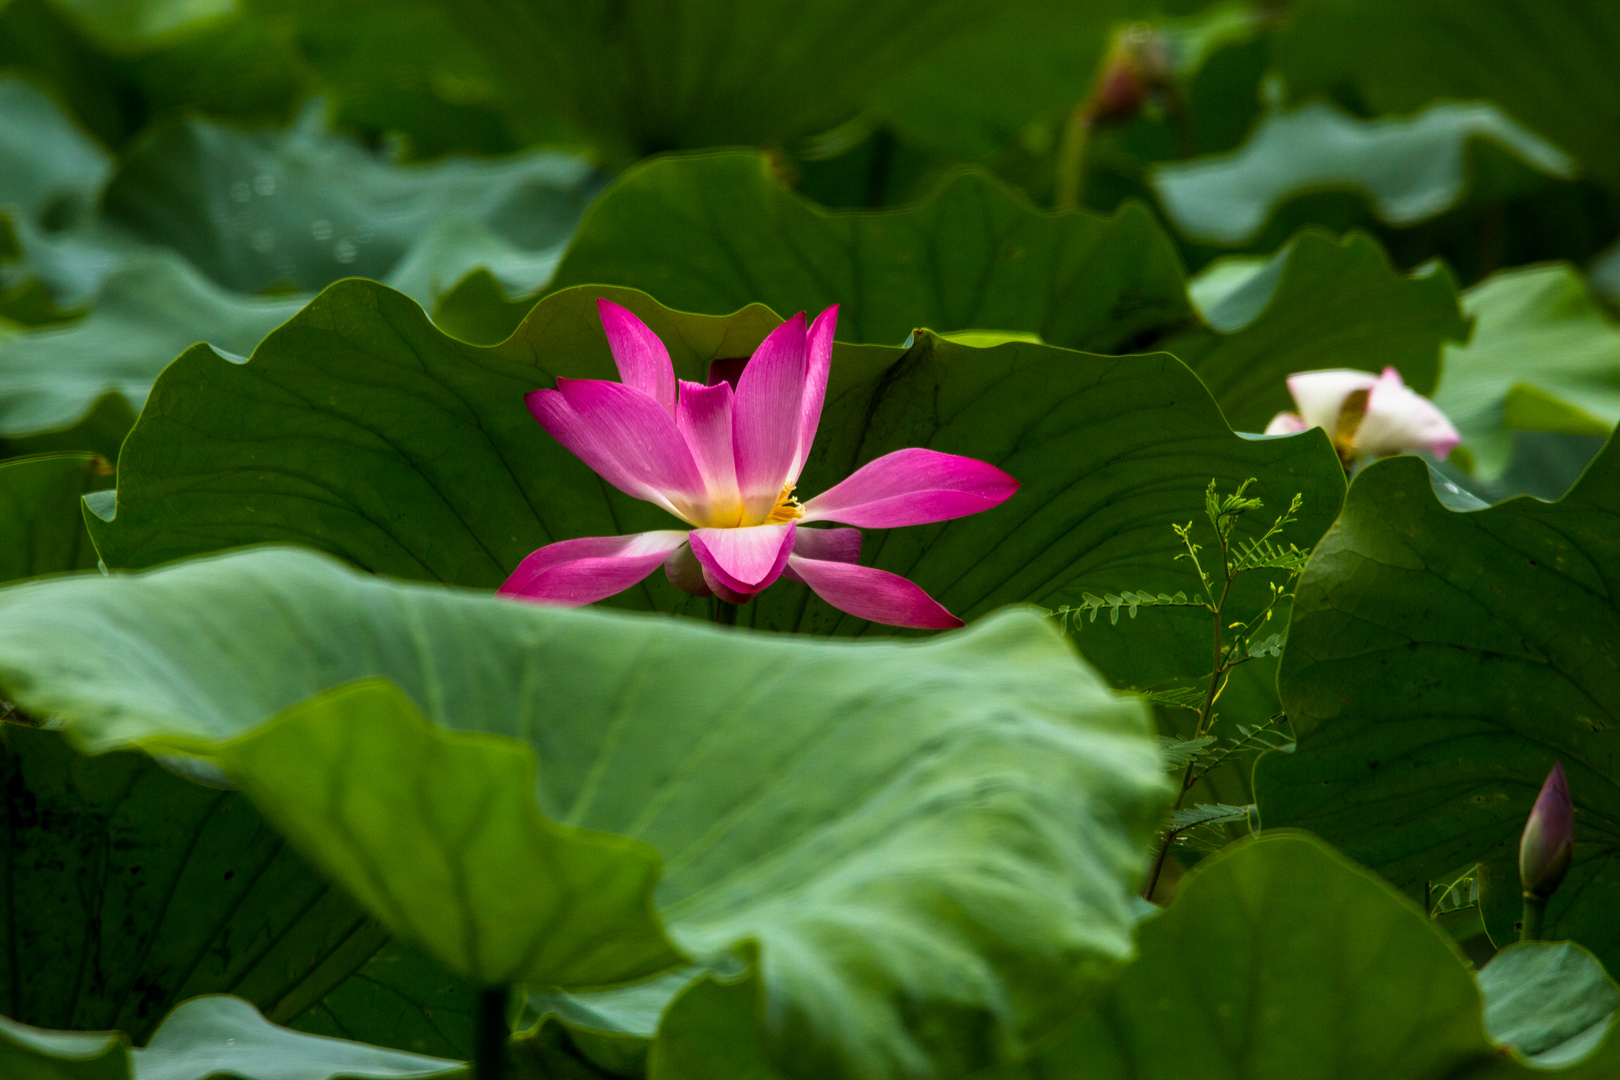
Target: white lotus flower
point(1366, 415)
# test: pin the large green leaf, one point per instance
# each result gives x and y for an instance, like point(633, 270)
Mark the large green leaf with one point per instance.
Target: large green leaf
point(713, 232)
point(134, 889)
point(1282, 960)
point(439, 834)
point(1544, 356)
point(652, 77)
point(886, 822)
point(1317, 303)
point(362, 430)
point(303, 206)
point(1548, 65)
point(1438, 664)
point(1409, 168)
point(207, 1037)
point(41, 522)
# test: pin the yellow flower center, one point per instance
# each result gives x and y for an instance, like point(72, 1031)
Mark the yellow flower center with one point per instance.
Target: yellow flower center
point(787, 508)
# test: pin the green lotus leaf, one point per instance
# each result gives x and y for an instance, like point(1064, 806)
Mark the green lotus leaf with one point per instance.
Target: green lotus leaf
point(1553, 1003)
point(713, 232)
point(207, 1037)
point(1318, 303)
point(298, 207)
point(53, 169)
point(886, 839)
point(1399, 56)
point(41, 522)
point(1282, 960)
point(302, 206)
point(661, 78)
point(1438, 663)
point(1573, 387)
point(361, 429)
point(196, 895)
point(54, 379)
point(29, 1053)
point(1409, 168)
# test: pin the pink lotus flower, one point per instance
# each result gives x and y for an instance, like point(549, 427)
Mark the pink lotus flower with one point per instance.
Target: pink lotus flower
point(1366, 415)
point(724, 458)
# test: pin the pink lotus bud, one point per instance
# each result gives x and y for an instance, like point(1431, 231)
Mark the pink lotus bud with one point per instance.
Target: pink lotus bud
point(1549, 837)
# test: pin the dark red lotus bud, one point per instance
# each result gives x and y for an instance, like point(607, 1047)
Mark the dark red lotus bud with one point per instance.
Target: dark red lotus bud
point(1138, 64)
point(1549, 837)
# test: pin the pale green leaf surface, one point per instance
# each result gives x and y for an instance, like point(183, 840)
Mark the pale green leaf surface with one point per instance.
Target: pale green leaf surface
point(906, 815)
point(1553, 1003)
point(1409, 168)
point(218, 1035)
point(1549, 66)
point(51, 167)
point(30, 1053)
point(202, 1039)
point(304, 206)
point(41, 524)
point(1544, 356)
point(148, 312)
point(299, 206)
point(1438, 664)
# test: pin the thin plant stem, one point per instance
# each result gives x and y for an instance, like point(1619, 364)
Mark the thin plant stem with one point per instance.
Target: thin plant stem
point(1071, 158)
point(1217, 677)
point(1535, 911)
point(491, 1034)
point(724, 614)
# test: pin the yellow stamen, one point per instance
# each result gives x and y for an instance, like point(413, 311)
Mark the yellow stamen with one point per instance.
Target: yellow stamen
point(787, 508)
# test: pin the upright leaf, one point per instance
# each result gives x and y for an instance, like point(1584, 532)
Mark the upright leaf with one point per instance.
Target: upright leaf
point(41, 521)
point(1438, 663)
